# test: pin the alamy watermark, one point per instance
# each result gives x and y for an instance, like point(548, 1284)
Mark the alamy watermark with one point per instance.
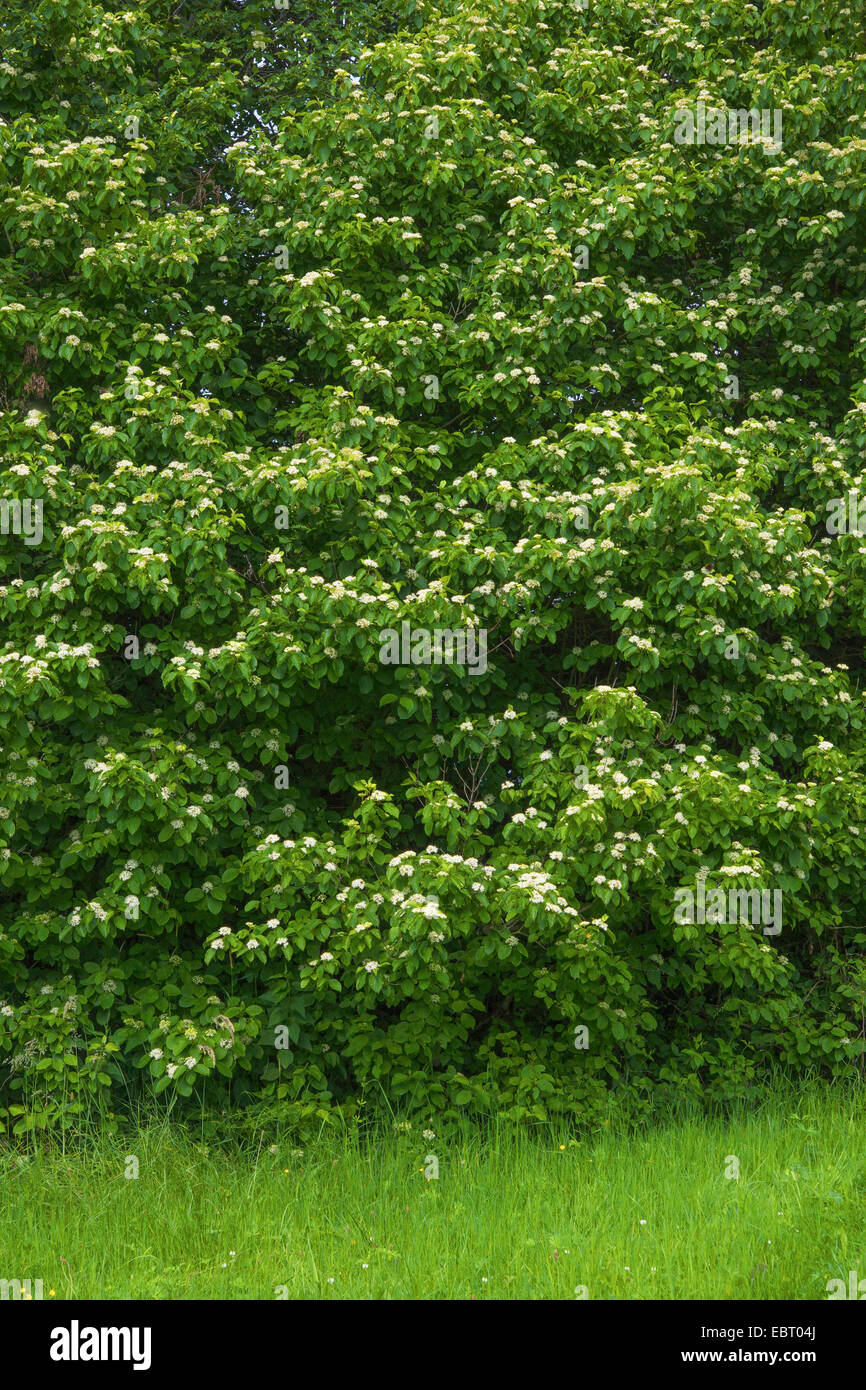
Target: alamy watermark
point(856, 1288)
point(20, 1289)
point(22, 518)
point(76, 1343)
point(846, 516)
point(757, 906)
point(713, 125)
point(436, 646)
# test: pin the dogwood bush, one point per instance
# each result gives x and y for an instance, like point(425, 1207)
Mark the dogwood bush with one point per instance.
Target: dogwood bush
point(428, 318)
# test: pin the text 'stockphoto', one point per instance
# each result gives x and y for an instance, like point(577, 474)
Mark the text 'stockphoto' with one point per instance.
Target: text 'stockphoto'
point(432, 673)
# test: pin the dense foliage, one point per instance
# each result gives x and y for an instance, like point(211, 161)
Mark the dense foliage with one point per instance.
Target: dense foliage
point(314, 325)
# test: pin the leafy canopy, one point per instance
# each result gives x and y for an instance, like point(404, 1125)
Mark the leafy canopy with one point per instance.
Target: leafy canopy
point(317, 321)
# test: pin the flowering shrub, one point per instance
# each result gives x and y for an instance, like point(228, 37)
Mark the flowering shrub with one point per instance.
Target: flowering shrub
point(447, 330)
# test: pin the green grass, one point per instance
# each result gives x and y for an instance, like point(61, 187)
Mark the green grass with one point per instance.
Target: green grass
point(630, 1215)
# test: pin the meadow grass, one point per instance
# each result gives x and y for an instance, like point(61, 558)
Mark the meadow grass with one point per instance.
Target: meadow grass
point(646, 1213)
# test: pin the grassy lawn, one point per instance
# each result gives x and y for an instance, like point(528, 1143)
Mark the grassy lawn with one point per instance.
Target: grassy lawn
point(640, 1215)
